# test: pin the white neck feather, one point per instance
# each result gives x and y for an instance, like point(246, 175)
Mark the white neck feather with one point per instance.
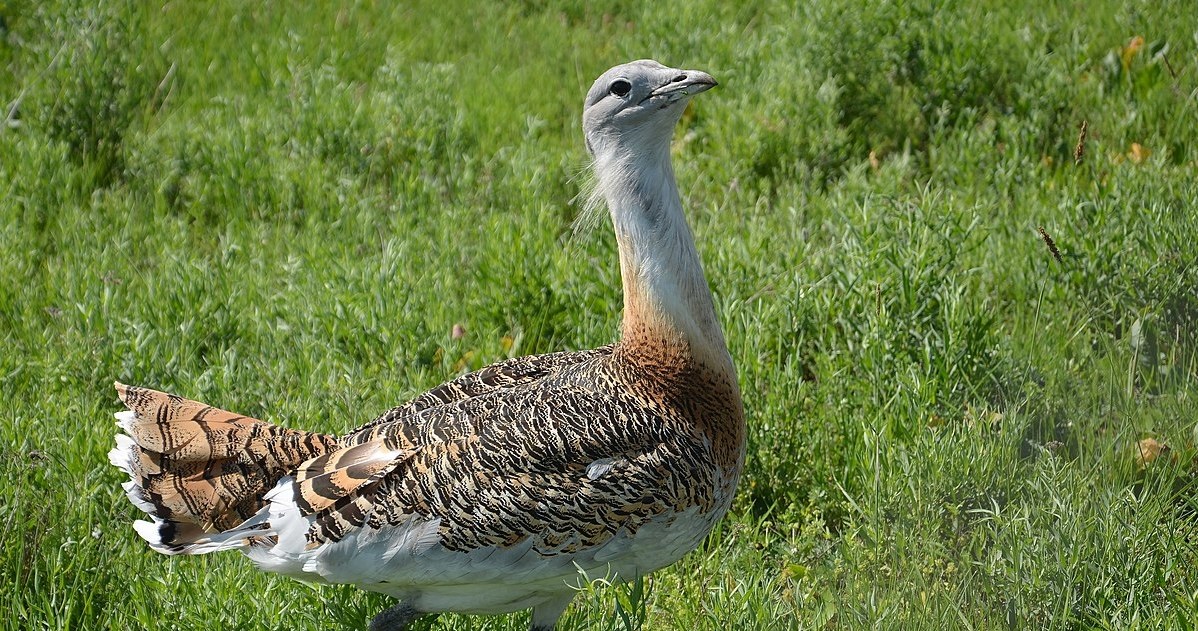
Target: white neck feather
point(666, 297)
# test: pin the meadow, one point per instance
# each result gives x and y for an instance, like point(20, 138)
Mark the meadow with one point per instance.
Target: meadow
point(966, 330)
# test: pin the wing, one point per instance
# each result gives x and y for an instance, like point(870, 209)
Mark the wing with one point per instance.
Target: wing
point(553, 465)
point(338, 485)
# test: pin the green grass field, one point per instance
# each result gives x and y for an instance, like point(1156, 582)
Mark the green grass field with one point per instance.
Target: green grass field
point(285, 211)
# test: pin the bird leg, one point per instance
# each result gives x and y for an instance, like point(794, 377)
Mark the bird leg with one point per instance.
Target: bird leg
point(545, 615)
point(396, 618)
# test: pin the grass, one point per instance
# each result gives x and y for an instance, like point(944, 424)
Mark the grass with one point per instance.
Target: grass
point(285, 212)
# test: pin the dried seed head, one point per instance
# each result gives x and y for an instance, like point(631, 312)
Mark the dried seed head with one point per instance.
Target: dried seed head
point(1052, 245)
point(1079, 151)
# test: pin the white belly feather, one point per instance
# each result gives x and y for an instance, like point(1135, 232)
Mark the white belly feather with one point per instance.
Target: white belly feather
point(408, 562)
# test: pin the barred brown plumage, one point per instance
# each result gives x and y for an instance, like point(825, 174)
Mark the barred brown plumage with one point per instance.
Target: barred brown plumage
point(205, 467)
point(500, 489)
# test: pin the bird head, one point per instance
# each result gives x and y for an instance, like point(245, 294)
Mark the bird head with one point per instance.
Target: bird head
point(634, 106)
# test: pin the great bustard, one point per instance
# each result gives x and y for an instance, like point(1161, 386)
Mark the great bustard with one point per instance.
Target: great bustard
point(490, 493)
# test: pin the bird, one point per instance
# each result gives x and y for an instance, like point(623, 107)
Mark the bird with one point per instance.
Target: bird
point(505, 488)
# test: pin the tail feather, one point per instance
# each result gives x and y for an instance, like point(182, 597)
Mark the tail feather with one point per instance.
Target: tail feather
point(199, 471)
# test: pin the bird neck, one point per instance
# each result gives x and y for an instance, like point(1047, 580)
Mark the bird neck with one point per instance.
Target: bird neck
point(669, 316)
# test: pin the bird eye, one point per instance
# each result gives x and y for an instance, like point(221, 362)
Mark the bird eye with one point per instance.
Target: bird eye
point(620, 87)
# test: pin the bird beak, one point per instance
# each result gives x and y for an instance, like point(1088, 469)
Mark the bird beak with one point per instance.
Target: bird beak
point(695, 81)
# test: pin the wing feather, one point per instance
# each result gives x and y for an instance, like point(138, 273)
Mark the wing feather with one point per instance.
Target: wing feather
point(324, 481)
point(498, 377)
